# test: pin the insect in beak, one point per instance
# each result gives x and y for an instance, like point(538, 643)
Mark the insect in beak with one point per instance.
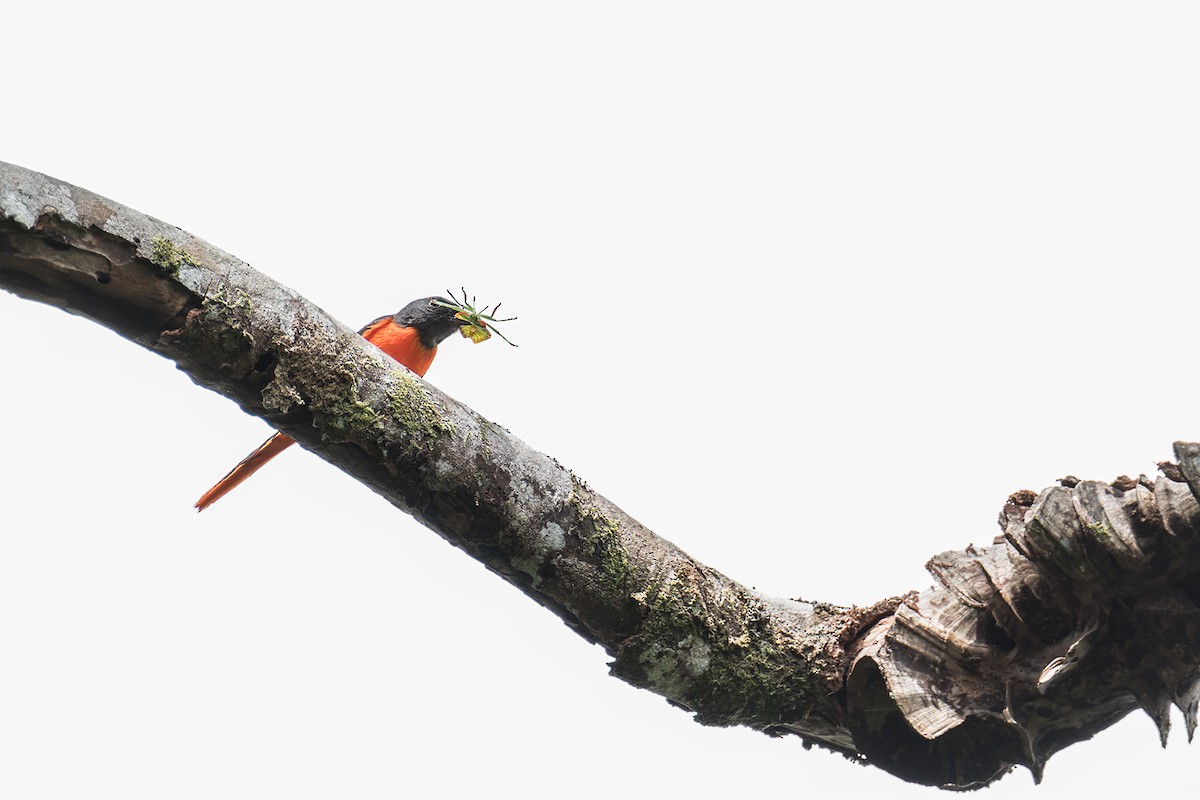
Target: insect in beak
point(478, 325)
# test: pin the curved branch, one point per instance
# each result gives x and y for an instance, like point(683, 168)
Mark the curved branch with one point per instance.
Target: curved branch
point(1085, 609)
point(672, 625)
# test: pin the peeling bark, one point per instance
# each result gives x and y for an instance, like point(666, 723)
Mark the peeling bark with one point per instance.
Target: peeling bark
point(1085, 608)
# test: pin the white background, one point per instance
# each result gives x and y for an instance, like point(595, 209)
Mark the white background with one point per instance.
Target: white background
point(808, 288)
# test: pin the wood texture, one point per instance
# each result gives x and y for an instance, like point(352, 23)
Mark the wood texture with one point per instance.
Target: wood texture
point(1084, 609)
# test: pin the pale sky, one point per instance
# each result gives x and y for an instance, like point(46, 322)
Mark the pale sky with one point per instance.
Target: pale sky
point(808, 288)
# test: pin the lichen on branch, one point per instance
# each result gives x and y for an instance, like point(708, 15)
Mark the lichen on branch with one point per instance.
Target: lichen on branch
point(1082, 611)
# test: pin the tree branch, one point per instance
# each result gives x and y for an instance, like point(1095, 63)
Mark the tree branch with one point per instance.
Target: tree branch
point(1084, 610)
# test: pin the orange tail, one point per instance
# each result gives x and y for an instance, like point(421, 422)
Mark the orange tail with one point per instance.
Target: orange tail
point(245, 468)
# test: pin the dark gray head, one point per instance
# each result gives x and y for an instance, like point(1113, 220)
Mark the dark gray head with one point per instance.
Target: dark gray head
point(433, 322)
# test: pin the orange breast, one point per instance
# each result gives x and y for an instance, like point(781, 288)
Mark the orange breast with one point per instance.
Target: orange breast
point(401, 343)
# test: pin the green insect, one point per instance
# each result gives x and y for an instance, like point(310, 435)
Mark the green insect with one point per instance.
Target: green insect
point(478, 325)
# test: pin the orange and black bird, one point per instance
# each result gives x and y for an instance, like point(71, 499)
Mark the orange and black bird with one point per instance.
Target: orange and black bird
point(411, 336)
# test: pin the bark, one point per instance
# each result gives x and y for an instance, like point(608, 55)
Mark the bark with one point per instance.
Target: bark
point(1083, 610)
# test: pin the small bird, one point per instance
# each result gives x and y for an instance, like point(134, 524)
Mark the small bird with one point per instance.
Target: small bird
point(411, 336)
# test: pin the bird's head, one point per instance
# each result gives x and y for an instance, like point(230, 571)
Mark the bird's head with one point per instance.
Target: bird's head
point(435, 318)
point(432, 320)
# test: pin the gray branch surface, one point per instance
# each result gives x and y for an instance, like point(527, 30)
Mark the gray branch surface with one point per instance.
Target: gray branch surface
point(1083, 610)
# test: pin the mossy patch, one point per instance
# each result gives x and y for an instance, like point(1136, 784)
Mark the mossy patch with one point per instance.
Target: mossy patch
point(347, 418)
point(485, 436)
point(170, 257)
point(215, 335)
point(1100, 531)
point(601, 536)
point(222, 299)
point(757, 682)
point(719, 660)
point(355, 417)
point(416, 411)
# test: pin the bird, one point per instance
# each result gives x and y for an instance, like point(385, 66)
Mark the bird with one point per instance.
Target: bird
point(411, 336)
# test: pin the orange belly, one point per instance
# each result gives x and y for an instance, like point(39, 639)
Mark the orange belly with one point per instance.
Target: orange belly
point(402, 344)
